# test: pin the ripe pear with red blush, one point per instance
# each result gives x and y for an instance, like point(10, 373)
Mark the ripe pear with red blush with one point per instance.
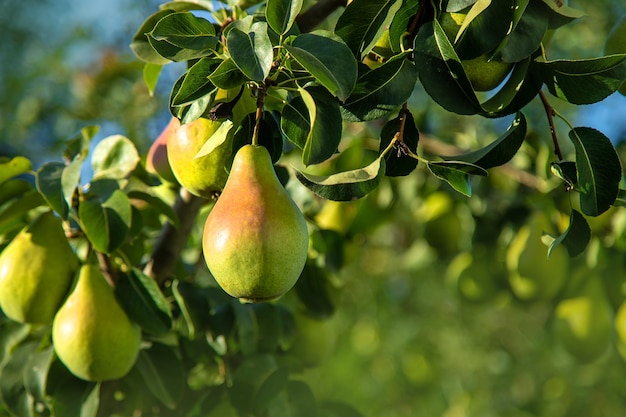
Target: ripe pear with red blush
point(255, 238)
point(157, 161)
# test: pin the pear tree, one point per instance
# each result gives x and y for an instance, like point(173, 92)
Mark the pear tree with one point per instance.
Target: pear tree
point(208, 275)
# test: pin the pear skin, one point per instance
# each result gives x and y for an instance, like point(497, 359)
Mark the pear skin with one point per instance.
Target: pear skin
point(204, 176)
point(36, 271)
point(255, 238)
point(157, 161)
point(91, 333)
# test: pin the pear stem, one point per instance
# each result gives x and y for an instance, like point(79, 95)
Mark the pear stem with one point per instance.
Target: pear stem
point(551, 112)
point(107, 268)
point(260, 100)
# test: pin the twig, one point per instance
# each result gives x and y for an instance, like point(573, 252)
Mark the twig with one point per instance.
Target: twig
point(551, 113)
point(172, 241)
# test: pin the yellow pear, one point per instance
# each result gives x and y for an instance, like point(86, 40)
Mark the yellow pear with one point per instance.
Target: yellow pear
point(206, 175)
point(36, 271)
point(483, 72)
point(532, 275)
point(255, 237)
point(583, 322)
point(91, 333)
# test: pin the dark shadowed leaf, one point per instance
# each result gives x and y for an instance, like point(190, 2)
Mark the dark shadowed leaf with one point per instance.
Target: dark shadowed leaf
point(501, 150)
point(48, 180)
point(599, 170)
point(566, 171)
point(363, 23)
point(186, 31)
point(576, 237)
point(162, 372)
point(380, 91)
point(584, 81)
point(281, 14)
point(196, 82)
point(398, 162)
point(326, 124)
point(144, 302)
point(227, 75)
point(106, 219)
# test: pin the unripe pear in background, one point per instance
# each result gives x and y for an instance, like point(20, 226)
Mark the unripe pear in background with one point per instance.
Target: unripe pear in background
point(532, 275)
point(616, 44)
point(483, 72)
point(315, 338)
point(36, 271)
point(157, 161)
point(91, 333)
point(255, 238)
point(583, 322)
point(206, 175)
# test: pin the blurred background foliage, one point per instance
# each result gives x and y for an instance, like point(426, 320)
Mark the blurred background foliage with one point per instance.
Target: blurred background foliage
point(414, 333)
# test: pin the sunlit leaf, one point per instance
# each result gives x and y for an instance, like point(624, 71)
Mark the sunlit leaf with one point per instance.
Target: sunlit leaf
point(114, 157)
point(186, 31)
point(321, 53)
point(326, 124)
point(14, 167)
point(345, 186)
point(216, 139)
point(48, 180)
point(251, 52)
point(141, 45)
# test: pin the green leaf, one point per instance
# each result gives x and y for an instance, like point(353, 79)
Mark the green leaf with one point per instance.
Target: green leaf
point(269, 323)
point(49, 185)
point(247, 327)
point(621, 199)
point(363, 22)
point(106, 220)
point(248, 379)
point(397, 161)
point(159, 205)
point(527, 34)
point(70, 179)
point(314, 291)
point(501, 150)
point(251, 52)
point(566, 171)
point(599, 170)
point(338, 409)
point(295, 122)
point(456, 173)
point(281, 14)
point(12, 388)
point(584, 81)
point(193, 307)
point(196, 83)
point(321, 53)
point(217, 138)
point(162, 371)
point(227, 75)
point(12, 334)
point(326, 124)
point(14, 167)
point(576, 237)
point(114, 157)
point(561, 14)
point(345, 186)
point(70, 396)
point(14, 188)
point(186, 31)
point(185, 5)
point(380, 91)
point(400, 23)
point(141, 44)
point(36, 374)
point(144, 302)
point(19, 208)
point(270, 388)
point(151, 73)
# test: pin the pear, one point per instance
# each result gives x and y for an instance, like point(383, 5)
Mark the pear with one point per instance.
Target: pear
point(583, 322)
point(255, 238)
point(206, 175)
point(532, 275)
point(36, 271)
point(91, 333)
point(157, 161)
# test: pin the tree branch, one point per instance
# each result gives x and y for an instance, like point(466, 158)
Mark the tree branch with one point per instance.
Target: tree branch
point(316, 14)
point(172, 241)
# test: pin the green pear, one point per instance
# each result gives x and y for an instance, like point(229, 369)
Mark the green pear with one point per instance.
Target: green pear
point(616, 44)
point(157, 161)
point(532, 275)
point(483, 72)
point(583, 322)
point(255, 238)
point(206, 175)
point(36, 271)
point(91, 333)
